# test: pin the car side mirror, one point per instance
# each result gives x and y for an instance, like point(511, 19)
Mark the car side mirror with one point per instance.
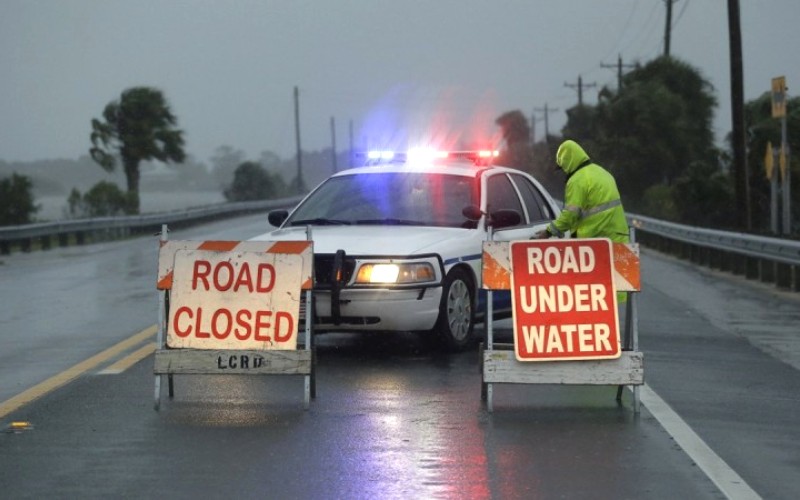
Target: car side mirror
point(505, 218)
point(276, 217)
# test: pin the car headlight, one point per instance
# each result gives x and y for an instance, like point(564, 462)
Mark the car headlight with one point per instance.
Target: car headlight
point(418, 272)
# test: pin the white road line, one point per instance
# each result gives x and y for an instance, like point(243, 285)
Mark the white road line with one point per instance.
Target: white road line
point(726, 479)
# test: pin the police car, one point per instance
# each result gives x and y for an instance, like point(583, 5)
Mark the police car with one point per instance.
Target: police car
point(398, 242)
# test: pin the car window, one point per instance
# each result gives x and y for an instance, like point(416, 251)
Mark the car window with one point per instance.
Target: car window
point(390, 198)
point(538, 209)
point(501, 195)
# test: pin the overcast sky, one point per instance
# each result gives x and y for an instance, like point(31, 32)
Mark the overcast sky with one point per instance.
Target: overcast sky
point(400, 70)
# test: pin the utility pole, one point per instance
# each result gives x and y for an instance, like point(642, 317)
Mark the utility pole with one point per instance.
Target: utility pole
point(546, 111)
point(668, 27)
point(352, 151)
point(580, 87)
point(333, 143)
point(741, 173)
point(619, 67)
point(301, 186)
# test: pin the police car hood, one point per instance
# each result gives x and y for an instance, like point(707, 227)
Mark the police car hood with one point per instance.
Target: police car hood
point(372, 240)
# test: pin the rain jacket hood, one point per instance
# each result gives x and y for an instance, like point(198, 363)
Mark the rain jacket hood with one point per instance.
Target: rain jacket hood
point(570, 156)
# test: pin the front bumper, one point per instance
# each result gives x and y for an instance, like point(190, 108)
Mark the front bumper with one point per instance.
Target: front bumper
point(408, 309)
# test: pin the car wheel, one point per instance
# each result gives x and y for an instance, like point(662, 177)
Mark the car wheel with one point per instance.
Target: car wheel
point(456, 311)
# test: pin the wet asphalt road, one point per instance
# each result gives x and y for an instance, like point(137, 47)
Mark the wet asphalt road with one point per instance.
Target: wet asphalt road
point(393, 418)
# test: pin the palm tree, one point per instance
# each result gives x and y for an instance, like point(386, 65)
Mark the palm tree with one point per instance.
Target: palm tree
point(139, 126)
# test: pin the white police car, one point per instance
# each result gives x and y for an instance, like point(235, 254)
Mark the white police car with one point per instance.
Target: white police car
point(398, 243)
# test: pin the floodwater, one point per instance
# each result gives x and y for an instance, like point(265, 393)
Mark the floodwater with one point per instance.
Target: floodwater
point(54, 207)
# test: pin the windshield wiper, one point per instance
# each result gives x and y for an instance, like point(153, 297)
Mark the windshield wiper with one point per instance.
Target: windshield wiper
point(320, 221)
point(392, 222)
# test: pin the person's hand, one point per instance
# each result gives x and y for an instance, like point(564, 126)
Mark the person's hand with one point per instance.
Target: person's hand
point(541, 235)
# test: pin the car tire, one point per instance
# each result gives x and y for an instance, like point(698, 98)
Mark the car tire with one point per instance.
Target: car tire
point(456, 311)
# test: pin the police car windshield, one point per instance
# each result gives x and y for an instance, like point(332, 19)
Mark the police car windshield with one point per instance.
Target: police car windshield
point(390, 198)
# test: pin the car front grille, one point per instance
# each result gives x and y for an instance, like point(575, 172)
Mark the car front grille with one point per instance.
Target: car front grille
point(323, 270)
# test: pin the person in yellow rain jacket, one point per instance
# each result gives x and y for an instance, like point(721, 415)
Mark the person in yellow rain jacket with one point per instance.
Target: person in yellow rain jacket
point(592, 205)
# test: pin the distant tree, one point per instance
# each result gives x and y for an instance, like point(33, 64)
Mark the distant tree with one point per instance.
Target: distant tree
point(16, 200)
point(650, 131)
point(139, 126)
point(703, 196)
point(104, 199)
point(252, 182)
point(516, 132)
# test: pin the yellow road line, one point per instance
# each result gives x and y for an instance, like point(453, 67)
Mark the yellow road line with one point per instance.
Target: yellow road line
point(129, 360)
point(70, 374)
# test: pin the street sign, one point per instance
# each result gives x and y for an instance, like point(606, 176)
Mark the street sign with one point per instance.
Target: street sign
point(235, 300)
point(779, 97)
point(564, 300)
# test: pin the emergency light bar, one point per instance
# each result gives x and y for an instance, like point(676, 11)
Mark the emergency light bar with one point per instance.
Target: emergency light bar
point(421, 155)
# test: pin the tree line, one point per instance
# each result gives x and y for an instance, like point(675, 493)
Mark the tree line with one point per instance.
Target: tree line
point(654, 133)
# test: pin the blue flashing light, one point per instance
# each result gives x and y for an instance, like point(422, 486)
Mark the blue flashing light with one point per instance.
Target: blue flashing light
point(429, 155)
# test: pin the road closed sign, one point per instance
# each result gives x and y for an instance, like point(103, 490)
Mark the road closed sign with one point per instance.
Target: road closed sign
point(234, 300)
point(564, 300)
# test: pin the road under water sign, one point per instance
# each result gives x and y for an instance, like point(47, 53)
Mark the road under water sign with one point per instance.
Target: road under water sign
point(564, 300)
point(235, 300)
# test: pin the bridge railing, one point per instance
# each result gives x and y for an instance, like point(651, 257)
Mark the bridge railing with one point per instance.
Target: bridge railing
point(41, 235)
point(764, 258)
point(772, 260)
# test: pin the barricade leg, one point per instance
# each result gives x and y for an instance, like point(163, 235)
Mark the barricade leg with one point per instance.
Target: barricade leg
point(162, 315)
point(313, 373)
point(627, 336)
point(157, 404)
point(489, 344)
point(309, 382)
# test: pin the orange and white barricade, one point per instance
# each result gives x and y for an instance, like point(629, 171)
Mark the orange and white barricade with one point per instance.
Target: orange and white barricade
point(234, 307)
point(566, 328)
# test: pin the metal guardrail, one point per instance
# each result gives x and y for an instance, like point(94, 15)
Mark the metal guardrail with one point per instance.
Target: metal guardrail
point(24, 235)
point(758, 257)
point(768, 259)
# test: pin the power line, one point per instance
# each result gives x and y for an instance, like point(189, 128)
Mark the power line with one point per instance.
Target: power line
point(680, 14)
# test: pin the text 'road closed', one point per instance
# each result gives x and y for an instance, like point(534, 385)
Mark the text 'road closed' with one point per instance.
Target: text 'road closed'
point(234, 300)
point(564, 300)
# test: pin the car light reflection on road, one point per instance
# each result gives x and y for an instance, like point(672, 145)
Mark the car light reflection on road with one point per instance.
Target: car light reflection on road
point(414, 446)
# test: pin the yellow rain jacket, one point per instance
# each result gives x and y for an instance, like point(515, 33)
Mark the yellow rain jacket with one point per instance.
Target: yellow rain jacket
point(592, 206)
